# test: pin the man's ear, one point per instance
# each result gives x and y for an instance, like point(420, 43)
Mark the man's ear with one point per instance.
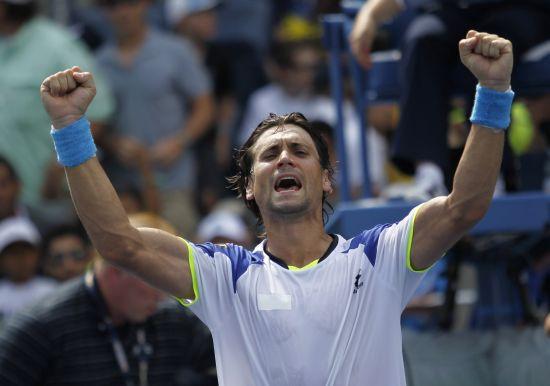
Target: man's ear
point(249, 190)
point(327, 183)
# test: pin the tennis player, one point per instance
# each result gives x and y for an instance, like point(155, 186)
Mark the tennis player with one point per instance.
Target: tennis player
point(304, 307)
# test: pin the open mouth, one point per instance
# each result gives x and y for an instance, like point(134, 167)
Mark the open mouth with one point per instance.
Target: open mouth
point(287, 183)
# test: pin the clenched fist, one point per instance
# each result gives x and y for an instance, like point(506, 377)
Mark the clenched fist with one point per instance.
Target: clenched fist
point(489, 58)
point(66, 95)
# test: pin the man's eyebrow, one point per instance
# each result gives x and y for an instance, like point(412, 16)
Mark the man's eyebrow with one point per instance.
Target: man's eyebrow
point(299, 144)
point(268, 147)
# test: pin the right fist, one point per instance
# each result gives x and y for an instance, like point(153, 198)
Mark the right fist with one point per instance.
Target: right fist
point(66, 95)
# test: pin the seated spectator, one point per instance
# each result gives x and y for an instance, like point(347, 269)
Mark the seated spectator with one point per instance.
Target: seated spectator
point(295, 69)
point(19, 258)
point(107, 328)
point(67, 252)
point(292, 68)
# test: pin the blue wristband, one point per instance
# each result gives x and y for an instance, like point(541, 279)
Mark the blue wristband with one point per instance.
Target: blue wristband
point(492, 108)
point(74, 143)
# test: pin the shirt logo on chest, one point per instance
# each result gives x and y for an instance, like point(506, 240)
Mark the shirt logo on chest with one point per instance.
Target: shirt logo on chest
point(357, 284)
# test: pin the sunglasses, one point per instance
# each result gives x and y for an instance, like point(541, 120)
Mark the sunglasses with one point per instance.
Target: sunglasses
point(76, 254)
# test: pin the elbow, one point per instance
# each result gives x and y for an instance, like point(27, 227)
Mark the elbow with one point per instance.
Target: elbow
point(120, 251)
point(467, 213)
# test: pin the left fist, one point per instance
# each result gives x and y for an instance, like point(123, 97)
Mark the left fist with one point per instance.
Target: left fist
point(489, 58)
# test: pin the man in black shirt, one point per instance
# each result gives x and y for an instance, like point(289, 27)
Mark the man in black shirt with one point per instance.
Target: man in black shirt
point(429, 68)
point(106, 328)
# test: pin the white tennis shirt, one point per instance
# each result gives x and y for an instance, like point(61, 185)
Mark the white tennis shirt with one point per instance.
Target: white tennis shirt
point(335, 322)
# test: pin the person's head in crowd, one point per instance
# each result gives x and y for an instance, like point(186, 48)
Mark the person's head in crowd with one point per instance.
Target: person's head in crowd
point(195, 19)
point(19, 249)
point(295, 65)
point(224, 226)
point(128, 17)
point(9, 189)
point(247, 182)
point(66, 252)
point(129, 299)
point(15, 13)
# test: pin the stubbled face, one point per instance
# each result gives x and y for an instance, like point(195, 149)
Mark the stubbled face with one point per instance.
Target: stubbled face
point(9, 189)
point(287, 179)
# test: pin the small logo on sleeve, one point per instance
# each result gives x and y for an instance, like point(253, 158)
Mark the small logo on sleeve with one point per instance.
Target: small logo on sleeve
point(358, 282)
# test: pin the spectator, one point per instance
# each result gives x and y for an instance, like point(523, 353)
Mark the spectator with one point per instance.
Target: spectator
point(235, 77)
point(19, 257)
point(164, 106)
point(67, 252)
point(32, 47)
point(292, 67)
point(295, 68)
point(75, 333)
point(420, 143)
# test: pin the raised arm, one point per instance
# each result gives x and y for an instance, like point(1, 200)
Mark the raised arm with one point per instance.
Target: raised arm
point(444, 220)
point(156, 256)
point(370, 16)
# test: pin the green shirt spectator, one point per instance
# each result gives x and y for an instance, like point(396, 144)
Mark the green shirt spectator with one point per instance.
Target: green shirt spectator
point(37, 49)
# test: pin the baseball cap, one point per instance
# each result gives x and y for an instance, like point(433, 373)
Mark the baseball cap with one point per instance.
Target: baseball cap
point(178, 9)
point(223, 224)
point(16, 229)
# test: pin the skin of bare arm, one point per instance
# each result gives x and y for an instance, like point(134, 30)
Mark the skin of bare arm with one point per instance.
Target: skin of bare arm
point(442, 221)
point(370, 16)
point(156, 256)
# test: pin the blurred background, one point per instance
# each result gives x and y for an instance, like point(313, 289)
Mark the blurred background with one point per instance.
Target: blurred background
point(181, 85)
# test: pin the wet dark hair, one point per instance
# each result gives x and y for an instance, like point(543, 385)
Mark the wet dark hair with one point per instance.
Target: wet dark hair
point(244, 158)
point(11, 170)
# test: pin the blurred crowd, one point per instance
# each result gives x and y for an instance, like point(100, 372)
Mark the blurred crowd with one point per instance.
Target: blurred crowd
point(181, 84)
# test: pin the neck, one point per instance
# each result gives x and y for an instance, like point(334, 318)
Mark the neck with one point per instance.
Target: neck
point(108, 295)
point(297, 242)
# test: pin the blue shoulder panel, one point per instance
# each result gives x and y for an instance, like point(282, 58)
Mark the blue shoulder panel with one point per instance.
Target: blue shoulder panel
point(369, 239)
point(239, 257)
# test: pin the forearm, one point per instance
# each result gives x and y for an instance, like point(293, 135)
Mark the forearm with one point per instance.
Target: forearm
point(476, 175)
point(201, 117)
point(380, 10)
point(101, 213)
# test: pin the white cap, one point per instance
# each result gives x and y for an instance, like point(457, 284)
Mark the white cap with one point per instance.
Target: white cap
point(225, 225)
point(178, 9)
point(16, 229)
